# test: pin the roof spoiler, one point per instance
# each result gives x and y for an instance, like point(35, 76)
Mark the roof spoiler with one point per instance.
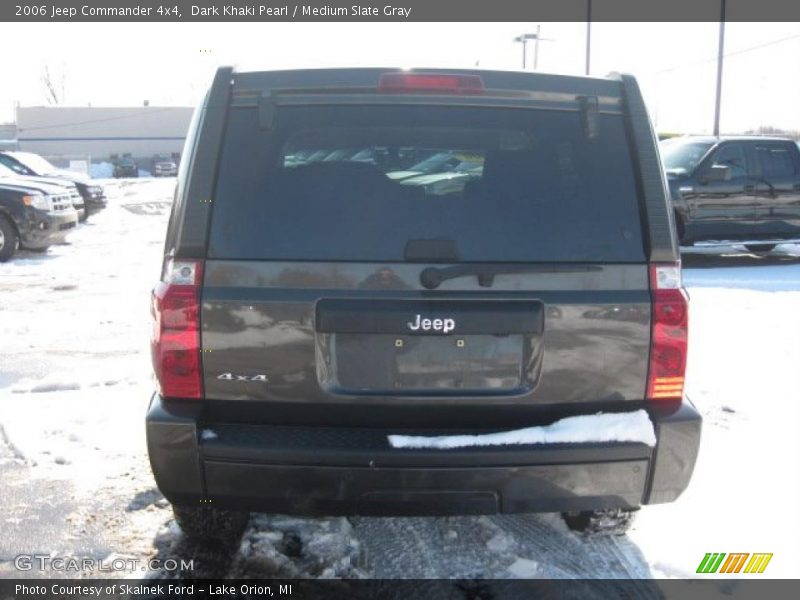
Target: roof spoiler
point(196, 198)
point(663, 246)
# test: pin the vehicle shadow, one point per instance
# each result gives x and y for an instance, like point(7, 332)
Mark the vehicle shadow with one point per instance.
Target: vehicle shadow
point(32, 257)
point(776, 271)
point(192, 560)
point(499, 546)
point(734, 258)
point(469, 556)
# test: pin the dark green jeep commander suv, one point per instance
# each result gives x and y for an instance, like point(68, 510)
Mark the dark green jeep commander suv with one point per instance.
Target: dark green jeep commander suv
point(420, 292)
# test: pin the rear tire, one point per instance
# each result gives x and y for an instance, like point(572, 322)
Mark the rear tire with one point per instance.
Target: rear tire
point(206, 524)
point(600, 522)
point(9, 240)
point(760, 248)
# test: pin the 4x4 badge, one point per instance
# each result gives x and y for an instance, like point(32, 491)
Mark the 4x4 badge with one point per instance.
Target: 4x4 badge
point(234, 377)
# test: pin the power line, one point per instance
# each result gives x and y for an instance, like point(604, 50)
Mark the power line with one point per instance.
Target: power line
point(726, 55)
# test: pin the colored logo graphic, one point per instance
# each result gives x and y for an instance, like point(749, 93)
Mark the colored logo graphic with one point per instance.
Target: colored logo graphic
point(743, 562)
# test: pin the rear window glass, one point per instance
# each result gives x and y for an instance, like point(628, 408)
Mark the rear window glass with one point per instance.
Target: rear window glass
point(775, 161)
point(367, 183)
point(733, 157)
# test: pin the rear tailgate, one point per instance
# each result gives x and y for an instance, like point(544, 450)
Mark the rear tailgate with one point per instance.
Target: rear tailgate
point(580, 338)
point(511, 274)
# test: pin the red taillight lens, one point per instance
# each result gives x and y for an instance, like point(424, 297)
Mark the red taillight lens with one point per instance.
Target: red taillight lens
point(430, 82)
point(175, 344)
point(668, 342)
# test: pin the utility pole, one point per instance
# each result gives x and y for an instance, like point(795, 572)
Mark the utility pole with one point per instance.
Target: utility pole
point(719, 67)
point(524, 42)
point(588, 34)
point(536, 48)
point(524, 38)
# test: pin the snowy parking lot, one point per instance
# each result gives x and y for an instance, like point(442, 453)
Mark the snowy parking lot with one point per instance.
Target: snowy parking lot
point(75, 381)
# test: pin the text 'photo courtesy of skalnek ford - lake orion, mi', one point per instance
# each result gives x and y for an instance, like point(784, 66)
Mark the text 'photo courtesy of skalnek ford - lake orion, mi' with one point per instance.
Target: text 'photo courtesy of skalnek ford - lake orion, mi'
point(321, 300)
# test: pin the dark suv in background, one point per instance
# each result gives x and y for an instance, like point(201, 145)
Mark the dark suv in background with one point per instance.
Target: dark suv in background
point(34, 215)
point(125, 167)
point(66, 187)
point(29, 164)
point(164, 166)
point(330, 338)
point(743, 189)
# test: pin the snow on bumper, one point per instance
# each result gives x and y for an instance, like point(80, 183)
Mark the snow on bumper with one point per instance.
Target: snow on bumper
point(614, 427)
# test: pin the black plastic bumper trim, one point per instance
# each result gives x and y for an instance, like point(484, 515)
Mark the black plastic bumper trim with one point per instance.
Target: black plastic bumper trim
point(308, 490)
point(172, 447)
point(332, 470)
point(362, 447)
point(678, 434)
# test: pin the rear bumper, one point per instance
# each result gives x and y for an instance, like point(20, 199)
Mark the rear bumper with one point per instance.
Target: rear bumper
point(334, 471)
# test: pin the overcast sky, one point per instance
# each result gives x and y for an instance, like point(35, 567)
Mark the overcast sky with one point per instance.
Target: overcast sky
point(123, 64)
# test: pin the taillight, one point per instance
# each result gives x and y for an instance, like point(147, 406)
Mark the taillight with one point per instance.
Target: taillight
point(668, 341)
point(175, 344)
point(430, 82)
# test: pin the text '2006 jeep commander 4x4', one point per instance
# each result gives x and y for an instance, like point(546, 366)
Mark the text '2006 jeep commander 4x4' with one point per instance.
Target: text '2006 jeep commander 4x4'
point(419, 292)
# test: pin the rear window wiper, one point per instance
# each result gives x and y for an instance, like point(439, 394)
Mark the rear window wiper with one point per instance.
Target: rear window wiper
point(433, 277)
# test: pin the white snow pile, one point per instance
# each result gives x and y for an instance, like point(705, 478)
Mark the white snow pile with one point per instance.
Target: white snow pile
point(101, 170)
point(75, 380)
point(294, 547)
point(616, 427)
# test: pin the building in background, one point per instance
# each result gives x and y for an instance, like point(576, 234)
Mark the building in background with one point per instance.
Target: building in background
point(65, 134)
point(8, 136)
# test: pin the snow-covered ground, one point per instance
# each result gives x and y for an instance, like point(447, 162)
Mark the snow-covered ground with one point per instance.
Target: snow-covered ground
point(75, 381)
